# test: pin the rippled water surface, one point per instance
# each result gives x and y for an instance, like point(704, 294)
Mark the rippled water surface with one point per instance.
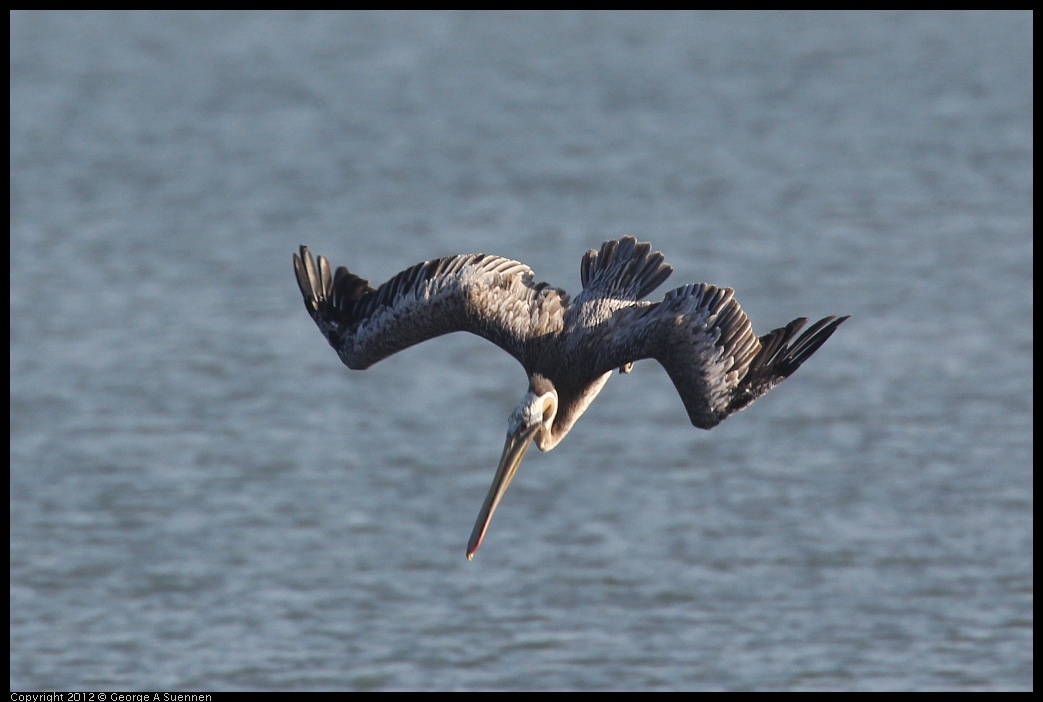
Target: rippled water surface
point(202, 497)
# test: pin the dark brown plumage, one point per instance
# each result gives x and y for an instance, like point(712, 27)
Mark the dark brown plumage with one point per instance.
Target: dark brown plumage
point(698, 333)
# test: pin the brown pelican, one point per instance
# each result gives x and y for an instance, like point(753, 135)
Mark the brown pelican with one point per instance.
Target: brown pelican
point(698, 333)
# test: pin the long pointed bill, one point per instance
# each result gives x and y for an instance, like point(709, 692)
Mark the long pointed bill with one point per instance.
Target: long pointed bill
point(513, 452)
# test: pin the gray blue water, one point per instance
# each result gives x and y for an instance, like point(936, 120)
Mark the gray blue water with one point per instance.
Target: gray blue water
point(203, 498)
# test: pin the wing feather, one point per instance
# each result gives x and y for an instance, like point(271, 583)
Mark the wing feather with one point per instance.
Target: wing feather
point(490, 296)
point(705, 341)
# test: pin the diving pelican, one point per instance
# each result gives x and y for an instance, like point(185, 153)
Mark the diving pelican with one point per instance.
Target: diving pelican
point(698, 333)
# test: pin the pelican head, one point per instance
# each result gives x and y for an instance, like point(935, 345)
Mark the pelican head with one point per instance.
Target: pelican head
point(530, 421)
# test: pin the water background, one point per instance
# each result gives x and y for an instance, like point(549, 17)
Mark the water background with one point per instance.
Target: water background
point(203, 498)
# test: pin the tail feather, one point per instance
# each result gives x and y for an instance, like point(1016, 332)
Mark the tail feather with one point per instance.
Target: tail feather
point(623, 269)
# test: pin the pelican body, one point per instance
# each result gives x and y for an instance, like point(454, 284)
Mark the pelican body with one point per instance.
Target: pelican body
point(568, 348)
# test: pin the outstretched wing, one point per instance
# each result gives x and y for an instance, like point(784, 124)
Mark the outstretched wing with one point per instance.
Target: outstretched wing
point(493, 297)
point(706, 343)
